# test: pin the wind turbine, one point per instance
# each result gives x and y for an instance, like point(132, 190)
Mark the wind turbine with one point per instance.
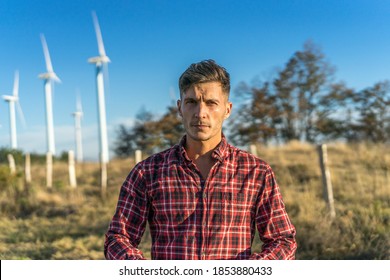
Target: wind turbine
point(101, 61)
point(12, 99)
point(49, 78)
point(77, 122)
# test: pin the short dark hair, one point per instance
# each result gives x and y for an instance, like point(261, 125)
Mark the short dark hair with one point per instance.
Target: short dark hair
point(203, 72)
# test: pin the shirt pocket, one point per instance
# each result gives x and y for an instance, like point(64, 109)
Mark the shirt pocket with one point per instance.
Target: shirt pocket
point(173, 206)
point(237, 208)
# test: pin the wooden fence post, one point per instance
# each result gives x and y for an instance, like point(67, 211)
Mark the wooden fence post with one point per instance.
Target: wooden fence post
point(12, 165)
point(253, 150)
point(49, 169)
point(72, 170)
point(326, 180)
point(138, 156)
point(27, 169)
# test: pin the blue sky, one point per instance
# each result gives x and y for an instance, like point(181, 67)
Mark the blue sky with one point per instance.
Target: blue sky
point(150, 43)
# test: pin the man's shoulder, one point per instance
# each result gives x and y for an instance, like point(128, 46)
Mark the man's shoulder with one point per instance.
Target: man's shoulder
point(242, 156)
point(168, 156)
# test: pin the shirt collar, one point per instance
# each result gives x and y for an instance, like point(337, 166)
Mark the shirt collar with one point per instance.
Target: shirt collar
point(218, 153)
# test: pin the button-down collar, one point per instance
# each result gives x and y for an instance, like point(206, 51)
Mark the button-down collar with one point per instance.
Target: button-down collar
point(219, 152)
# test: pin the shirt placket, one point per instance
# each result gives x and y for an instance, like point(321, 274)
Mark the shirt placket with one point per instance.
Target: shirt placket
point(203, 249)
point(199, 212)
point(205, 184)
point(202, 219)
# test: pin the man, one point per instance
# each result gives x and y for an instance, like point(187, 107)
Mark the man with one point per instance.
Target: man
point(203, 198)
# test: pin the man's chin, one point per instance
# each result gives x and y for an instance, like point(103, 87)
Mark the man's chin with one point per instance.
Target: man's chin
point(199, 136)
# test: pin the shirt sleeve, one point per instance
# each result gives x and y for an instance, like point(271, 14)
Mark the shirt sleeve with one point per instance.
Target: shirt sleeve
point(129, 221)
point(274, 226)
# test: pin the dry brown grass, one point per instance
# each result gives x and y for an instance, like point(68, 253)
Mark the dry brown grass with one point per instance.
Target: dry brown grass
point(37, 223)
point(361, 187)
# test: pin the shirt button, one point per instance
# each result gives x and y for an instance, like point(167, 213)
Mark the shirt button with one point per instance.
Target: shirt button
point(204, 195)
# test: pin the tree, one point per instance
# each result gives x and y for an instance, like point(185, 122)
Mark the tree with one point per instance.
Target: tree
point(334, 113)
point(170, 127)
point(374, 113)
point(16, 153)
point(287, 101)
point(148, 133)
point(124, 144)
point(145, 133)
point(288, 107)
point(299, 90)
point(141, 135)
point(255, 121)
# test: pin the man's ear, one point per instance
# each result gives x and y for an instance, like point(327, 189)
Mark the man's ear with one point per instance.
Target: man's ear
point(178, 103)
point(228, 110)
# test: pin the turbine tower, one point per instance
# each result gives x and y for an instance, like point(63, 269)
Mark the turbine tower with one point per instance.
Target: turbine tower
point(12, 99)
point(101, 62)
point(77, 122)
point(49, 78)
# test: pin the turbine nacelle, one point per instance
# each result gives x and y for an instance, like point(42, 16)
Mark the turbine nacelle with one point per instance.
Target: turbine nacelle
point(10, 98)
point(49, 76)
point(78, 114)
point(15, 93)
point(99, 60)
point(79, 108)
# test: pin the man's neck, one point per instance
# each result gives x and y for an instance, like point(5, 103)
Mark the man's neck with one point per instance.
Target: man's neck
point(200, 153)
point(200, 149)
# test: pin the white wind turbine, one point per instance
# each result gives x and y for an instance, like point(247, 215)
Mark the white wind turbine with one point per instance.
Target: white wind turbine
point(101, 61)
point(12, 99)
point(49, 78)
point(77, 122)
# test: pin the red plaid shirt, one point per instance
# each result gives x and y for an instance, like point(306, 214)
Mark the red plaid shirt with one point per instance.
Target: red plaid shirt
point(192, 218)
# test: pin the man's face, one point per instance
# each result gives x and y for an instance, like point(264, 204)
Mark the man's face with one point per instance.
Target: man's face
point(203, 108)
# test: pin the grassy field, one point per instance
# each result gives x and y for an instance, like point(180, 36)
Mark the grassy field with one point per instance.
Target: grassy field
point(61, 223)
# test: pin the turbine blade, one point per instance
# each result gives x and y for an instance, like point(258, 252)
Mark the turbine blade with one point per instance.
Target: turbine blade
point(79, 107)
point(21, 114)
point(99, 37)
point(16, 84)
point(49, 66)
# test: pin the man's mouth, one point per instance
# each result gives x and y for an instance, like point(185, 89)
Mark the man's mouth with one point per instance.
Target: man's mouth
point(200, 125)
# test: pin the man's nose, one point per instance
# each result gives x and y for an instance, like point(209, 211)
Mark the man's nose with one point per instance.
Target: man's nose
point(201, 111)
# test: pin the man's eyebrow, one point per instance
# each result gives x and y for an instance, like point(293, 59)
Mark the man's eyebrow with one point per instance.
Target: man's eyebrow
point(189, 98)
point(212, 99)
